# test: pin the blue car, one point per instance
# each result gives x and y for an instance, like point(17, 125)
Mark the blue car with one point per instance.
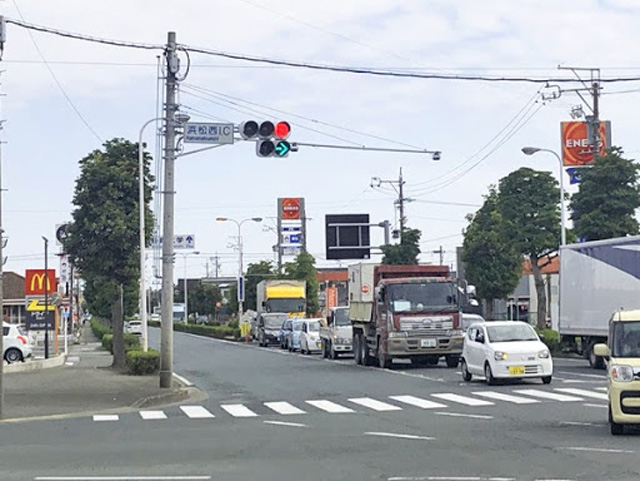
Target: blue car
point(293, 336)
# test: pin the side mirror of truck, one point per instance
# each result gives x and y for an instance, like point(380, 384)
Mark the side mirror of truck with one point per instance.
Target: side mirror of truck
point(471, 290)
point(380, 294)
point(601, 350)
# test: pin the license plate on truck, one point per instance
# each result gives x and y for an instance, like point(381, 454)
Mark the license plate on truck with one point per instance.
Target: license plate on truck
point(516, 370)
point(428, 342)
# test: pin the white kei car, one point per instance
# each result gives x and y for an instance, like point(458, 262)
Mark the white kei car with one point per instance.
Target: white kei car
point(15, 343)
point(310, 336)
point(505, 350)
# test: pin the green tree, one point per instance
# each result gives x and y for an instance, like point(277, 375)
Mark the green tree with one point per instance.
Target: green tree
point(304, 269)
point(609, 195)
point(404, 253)
point(528, 203)
point(103, 239)
point(492, 263)
point(203, 298)
point(256, 273)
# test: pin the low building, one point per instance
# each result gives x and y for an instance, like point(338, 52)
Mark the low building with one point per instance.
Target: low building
point(14, 309)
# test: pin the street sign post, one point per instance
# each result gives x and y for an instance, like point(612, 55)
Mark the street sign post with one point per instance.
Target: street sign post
point(184, 241)
point(208, 133)
point(40, 321)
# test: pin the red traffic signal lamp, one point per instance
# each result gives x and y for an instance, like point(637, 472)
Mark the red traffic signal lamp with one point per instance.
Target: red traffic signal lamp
point(270, 137)
point(282, 130)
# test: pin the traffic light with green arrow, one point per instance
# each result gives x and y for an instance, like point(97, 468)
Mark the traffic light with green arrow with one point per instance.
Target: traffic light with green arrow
point(270, 138)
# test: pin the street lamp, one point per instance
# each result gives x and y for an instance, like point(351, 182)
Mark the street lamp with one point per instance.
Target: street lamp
point(186, 284)
point(46, 297)
point(240, 266)
point(534, 150)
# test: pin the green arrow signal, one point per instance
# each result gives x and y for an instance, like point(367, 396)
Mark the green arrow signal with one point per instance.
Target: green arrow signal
point(282, 148)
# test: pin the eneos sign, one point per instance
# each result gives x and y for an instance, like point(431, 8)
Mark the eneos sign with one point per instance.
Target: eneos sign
point(576, 150)
point(34, 282)
point(290, 208)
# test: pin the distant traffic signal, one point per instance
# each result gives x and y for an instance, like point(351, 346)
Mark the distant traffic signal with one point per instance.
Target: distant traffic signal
point(270, 137)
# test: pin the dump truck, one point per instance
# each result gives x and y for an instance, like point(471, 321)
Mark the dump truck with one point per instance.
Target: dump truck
point(282, 295)
point(406, 312)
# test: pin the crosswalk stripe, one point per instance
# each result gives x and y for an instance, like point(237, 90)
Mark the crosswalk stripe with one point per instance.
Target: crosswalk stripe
point(374, 404)
point(548, 395)
point(605, 389)
point(197, 412)
point(418, 402)
point(284, 408)
point(468, 401)
point(238, 410)
point(152, 415)
point(584, 393)
point(105, 417)
point(506, 397)
point(330, 406)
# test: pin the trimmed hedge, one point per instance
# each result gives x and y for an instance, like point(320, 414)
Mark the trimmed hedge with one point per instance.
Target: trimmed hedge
point(218, 332)
point(99, 329)
point(131, 342)
point(551, 338)
point(107, 342)
point(140, 363)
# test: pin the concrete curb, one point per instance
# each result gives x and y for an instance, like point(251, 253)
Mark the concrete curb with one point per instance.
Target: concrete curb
point(35, 365)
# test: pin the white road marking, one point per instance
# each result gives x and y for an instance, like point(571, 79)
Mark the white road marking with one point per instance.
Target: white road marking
point(575, 423)
point(467, 401)
point(548, 395)
point(599, 450)
point(197, 412)
point(152, 415)
point(238, 410)
point(605, 389)
point(399, 436)
point(183, 380)
point(330, 406)
point(105, 417)
point(589, 405)
point(284, 408)
point(453, 478)
point(122, 478)
point(506, 397)
point(463, 415)
point(594, 376)
point(418, 402)
point(374, 404)
point(584, 393)
point(282, 423)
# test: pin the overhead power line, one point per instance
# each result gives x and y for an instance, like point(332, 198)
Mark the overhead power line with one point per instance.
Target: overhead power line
point(313, 66)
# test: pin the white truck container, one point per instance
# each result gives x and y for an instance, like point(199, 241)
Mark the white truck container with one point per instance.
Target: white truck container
point(596, 279)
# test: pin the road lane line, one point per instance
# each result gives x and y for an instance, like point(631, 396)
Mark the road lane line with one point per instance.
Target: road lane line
point(453, 478)
point(152, 415)
point(238, 410)
point(418, 402)
point(590, 405)
point(584, 393)
point(605, 389)
point(599, 450)
point(374, 404)
point(399, 436)
point(105, 417)
point(197, 412)
point(467, 401)
point(506, 397)
point(330, 406)
point(548, 395)
point(594, 376)
point(122, 478)
point(575, 423)
point(283, 423)
point(463, 415)
point(282, 407)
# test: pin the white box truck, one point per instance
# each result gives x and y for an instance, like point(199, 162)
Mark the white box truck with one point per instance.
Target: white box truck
point(596, 279)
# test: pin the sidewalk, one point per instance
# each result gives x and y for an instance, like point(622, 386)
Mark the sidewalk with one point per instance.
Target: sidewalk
point(85, 384)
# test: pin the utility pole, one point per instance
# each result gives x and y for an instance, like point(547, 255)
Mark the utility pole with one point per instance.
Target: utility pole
point(46, 297)
point(398, 186)
point(1, 273)
point(440, 251)
point(166, 342)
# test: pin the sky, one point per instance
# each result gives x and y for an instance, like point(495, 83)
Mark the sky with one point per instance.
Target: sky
point(63, 98)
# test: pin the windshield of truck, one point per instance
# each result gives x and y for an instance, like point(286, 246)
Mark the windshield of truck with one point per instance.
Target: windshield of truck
point(285, 305)
point(514, 333)
point(274, 321)
point(626, 339)
point(314, 326)
point(428, 297)
point(341, 317)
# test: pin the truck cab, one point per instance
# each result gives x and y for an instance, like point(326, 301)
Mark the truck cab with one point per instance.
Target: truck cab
point(623, 354)
point(337, 335)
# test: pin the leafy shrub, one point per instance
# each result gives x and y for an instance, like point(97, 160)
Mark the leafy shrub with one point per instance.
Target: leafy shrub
point(218, 332)
point(551, 338)
point(140, 363)
point(107, 342)
point(131, 342)
point(234, 324)
point(99, 328)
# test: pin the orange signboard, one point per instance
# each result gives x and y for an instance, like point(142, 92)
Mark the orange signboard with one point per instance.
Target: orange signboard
point(34, 282)
point(576, 150)
point(332, 298)
point(290, 208)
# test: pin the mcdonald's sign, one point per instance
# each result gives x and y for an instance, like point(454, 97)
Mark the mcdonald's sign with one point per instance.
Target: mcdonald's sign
point(34, 282)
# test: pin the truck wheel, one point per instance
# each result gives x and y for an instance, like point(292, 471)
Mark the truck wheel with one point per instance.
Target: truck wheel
point(332, 352)
point(367, 359)
point(324, 349)
point(357, 352)
point(383, 360)
point(452, 361)
point(432, 360)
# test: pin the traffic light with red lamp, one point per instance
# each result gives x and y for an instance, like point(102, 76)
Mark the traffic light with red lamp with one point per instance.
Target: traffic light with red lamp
point(270, 137)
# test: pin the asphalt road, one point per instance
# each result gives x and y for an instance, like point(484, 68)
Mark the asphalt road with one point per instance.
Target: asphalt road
point(282, 416)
